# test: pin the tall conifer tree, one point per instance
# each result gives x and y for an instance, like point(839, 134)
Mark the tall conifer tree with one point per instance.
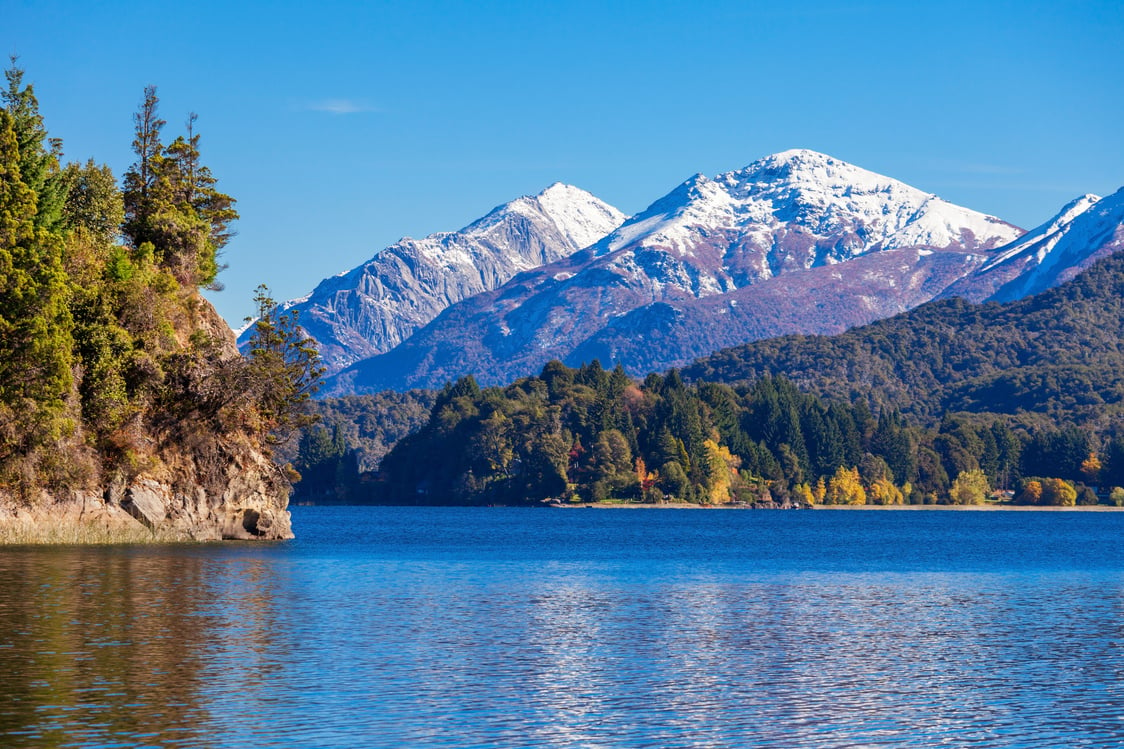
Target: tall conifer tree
point(35, 325)
point(38, 155)
point(172, 200)
point(140, 179)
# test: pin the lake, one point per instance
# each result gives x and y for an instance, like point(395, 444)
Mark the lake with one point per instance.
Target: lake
point(504, 627)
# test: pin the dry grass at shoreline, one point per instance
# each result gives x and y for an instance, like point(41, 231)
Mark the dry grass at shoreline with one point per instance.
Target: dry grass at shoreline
point(19, 532)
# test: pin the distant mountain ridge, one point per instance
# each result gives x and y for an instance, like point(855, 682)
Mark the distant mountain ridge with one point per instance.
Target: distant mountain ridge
point(375, 306)
point(873, 287)
point(1084, 231)
point(1054, 355)
point(713, 263)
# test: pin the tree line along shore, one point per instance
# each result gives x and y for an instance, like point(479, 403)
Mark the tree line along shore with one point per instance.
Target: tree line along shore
point(589, 435)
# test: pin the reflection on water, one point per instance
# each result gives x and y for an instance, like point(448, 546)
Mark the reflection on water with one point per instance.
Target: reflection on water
point(95, 645)
point(455, 629)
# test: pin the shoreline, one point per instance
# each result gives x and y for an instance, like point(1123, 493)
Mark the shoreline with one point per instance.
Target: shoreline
point(846, 508)
point(978, 508)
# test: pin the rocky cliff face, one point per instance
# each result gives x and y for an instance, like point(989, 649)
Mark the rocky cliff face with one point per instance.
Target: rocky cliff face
point(189, 481)
point(376, 306)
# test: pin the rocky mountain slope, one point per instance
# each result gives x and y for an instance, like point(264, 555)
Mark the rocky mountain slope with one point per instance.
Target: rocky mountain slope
point(795, 242)
point(374, 307)
point(1084, 231)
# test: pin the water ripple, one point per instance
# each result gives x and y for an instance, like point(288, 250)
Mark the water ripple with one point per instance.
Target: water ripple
point(382, 643)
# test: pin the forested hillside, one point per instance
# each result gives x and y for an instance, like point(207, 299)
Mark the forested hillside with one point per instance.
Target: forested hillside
point(350, 437)
point(941, 404)
point(1052, 358)
point(594, 435)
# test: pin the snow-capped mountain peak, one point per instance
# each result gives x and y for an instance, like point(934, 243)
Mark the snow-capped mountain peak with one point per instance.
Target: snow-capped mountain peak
point(376, 305)
point(579, 216)
point(843, 211)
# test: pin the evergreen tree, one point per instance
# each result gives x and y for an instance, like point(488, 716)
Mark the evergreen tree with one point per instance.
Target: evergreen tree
point(1009, 449)
point(141, 178)
point(194, 193)
point(824, 441)
point(35, 322)
point(38, 155)
point(1113, 474)
point(172, 201)
point(285, 368)
point(891, 441)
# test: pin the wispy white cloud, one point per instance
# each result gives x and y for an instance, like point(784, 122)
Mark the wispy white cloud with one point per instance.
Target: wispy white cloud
point(340, 106)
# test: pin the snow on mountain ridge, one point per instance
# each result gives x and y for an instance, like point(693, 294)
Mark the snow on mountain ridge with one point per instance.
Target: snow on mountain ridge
point(836, 188)
point(576, 214)
point(1084, 230)
point(376, 305)
point(1066, 215)
point(1076, 243)
point(819, 193)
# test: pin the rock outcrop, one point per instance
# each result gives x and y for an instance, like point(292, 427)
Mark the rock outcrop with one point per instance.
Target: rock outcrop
point(191, 481)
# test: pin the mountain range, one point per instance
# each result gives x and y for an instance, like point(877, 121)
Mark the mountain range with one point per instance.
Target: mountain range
point(374, 307)
point(797, 242)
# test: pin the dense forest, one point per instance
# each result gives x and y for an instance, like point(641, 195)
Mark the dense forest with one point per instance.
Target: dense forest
point(109, 355)
point(347, 440)
point(1054, 358)
point(593, 435)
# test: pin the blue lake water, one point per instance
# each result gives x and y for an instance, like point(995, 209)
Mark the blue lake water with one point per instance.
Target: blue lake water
point(493, 627)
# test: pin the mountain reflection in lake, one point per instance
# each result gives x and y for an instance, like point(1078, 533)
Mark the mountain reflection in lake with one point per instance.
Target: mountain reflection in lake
point(505, 628)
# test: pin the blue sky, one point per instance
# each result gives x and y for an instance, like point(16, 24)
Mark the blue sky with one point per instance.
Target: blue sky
point(342, 126)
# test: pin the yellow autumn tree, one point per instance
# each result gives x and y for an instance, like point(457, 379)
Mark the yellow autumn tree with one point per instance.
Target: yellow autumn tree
point(721, 469)
point(819, 491)
point(1091, 468)
point(883, 492)
point(647, 480)
point(846, 488)
point(1031, 493)
point(970, 488)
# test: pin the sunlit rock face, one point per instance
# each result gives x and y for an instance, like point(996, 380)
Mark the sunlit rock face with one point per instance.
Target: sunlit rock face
point(374, 307)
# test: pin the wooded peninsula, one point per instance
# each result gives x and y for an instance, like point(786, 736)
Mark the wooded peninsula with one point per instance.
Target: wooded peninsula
point(126, 411)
